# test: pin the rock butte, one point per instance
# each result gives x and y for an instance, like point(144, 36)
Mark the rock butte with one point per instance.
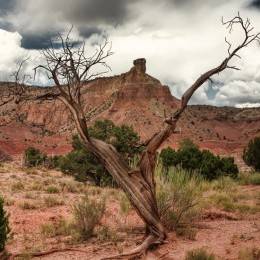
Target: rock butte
point(134, 98)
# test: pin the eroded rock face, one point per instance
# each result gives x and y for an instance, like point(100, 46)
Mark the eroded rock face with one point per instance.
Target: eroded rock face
point(134, 98)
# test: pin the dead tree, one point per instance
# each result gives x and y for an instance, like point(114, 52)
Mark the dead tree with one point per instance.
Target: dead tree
point(70, 68)
point(12, 93)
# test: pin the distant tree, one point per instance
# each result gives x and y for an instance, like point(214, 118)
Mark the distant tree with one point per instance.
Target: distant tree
point(123, 138)
point(189, 157)
point(169, 158)
point(34, 157)
point(85, 166)
point(251, 154)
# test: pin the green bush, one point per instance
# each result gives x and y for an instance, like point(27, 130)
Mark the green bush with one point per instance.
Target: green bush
point(251, 154)
point(4, 226)
point(85, 166)
point(52, 162)
point(123, 137)
point(189, 157)
point(169, 158)
point(82, 164)
point(34, 157)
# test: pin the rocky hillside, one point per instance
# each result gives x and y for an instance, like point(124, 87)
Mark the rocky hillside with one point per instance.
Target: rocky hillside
point(134, 98)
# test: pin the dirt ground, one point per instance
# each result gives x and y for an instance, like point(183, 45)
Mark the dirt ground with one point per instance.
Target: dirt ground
point(27, 194)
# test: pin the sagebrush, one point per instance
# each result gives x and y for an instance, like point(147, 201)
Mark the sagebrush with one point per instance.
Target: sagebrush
point(87, 215)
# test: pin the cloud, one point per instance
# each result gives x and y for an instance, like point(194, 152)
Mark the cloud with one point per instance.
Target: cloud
point(36, 20)
point(38, 41)
point(255, 4)
point(87, 32)
point(179, 38)
point(6, 6)
point(10, 53)
point(99, 11)
point(39, 14)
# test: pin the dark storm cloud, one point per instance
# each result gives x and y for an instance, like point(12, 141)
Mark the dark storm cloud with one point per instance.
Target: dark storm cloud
point(6, 6)
point(5, 25)
point(103, 11)
point(192, 2)
point(88, 16)
point(255, 4)
point(87, 32)
point(37, 42)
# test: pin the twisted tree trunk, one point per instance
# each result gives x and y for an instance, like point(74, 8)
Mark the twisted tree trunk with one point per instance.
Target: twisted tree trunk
point(138, 184)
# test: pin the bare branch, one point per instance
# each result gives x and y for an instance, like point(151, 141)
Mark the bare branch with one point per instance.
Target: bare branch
point(248, 39)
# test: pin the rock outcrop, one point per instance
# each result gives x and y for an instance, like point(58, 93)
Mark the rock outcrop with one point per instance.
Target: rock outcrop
point(134, 98)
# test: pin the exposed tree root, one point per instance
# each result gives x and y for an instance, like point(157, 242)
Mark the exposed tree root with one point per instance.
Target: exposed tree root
point(45, 253)
point(139, 251)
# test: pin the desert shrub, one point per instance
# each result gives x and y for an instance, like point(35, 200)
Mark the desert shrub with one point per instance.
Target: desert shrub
point(224, 183)
point(230, 202)
point(85, 166)
point(178, 198)
point(17, 186)
point(70, 186)
point(105, 233)
point(250, 178)
point(87, 215)
point(34, 157)
point(251, 153)
point(52, 162)
point(254, 179)
point(27, 205)
point(4, 225)
point(52, 201)
point(58, 228)
point(249, 254)
point(189, 157)
point(199, 254)
point(52, 189)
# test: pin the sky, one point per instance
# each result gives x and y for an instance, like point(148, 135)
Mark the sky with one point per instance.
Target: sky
point(180, 40)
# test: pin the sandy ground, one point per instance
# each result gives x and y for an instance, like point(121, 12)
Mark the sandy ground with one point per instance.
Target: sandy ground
point(223, 233)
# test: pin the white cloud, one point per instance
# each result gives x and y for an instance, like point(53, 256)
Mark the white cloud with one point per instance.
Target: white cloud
point(9, 51)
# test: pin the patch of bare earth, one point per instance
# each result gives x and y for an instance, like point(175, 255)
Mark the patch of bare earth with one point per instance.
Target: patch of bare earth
point(220, 231)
